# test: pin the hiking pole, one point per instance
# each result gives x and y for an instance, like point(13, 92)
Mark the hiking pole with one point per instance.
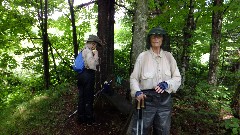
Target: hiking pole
point(138, 114)
point(72, 114)
point(98, 92)
point(142, 107)
point(105, 86)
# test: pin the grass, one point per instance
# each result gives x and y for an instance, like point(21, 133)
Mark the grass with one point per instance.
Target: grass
point(45, 112)
point(40, 113)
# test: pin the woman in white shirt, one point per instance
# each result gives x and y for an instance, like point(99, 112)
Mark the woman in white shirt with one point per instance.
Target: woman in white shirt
point(86, 80)
point(154, 78)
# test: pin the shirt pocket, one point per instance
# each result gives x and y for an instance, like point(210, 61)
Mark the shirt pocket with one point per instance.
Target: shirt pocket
point(147, 75)
point(147, 80)
point(167, 75)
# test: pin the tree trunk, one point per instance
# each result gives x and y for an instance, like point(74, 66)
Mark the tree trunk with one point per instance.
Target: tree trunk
point(45, 45)
point(217, 18)
point(187, 36)
point(75, 44)
point(139, 29)
point(105, 27)
point(54, 62)
point(235, 104)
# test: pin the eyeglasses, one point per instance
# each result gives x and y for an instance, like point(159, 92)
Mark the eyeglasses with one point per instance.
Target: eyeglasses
point(156, 36)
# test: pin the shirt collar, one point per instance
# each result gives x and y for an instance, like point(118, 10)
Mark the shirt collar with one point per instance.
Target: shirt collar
point(156, 55)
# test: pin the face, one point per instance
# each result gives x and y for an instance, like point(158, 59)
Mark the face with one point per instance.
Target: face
point(94, 45)
point(156, 40)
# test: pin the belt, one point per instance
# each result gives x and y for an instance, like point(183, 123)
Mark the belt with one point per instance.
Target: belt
point(148, 90)
point(152, 90)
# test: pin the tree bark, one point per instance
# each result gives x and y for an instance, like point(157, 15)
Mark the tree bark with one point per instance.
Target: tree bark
point(217, 18)
point(235, 104)
point(54, 62)
point(105, 28)
point(45, 45)
point(187, 36)
point(74, 32)
point(139, 29)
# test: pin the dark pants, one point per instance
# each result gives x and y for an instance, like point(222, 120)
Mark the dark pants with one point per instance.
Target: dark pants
point(156, 114)
point(86, 82)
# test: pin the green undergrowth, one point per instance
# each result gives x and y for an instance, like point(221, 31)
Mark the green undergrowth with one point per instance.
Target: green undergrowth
point(38, 113)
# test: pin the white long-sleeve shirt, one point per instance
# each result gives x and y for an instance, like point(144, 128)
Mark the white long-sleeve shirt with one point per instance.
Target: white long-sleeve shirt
point(150, 69)
point(89, 60)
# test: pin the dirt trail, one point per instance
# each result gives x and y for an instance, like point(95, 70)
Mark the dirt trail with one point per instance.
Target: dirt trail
point(109, 120)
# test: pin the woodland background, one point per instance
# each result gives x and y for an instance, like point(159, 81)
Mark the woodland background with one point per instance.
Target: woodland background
point(40, 39)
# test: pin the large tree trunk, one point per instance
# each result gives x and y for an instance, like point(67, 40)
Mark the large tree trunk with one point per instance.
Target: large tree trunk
point(105, 27)
point(187, 35)
point(75, 44)
point(139, 29)
point(217, 18)
point(45, 45)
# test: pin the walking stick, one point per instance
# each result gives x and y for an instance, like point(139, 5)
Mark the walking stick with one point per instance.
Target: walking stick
point(138, 111)
point(140, 106)
point(72, 114)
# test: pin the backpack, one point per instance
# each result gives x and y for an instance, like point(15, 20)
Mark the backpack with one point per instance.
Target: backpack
point(79, 65)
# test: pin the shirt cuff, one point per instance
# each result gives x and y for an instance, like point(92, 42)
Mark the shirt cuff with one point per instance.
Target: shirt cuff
point(138, 93)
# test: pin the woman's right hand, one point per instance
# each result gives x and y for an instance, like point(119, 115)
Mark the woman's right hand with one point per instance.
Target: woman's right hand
point(141, 97)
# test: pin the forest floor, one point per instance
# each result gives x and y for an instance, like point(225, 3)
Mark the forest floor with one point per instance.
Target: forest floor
point(52, 112)
point(110, 121)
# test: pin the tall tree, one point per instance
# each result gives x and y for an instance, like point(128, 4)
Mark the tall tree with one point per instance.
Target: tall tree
point(217, 18)
point(45, 43)
point(139, 28)
point(187, 36)
point(105, 27)
point(74, 32)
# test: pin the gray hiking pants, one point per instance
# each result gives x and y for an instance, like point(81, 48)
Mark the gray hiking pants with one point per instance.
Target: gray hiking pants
point(156, 115)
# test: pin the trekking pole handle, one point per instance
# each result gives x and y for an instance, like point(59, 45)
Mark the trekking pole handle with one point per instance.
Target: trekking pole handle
point(138, 104)
point(142, 104)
